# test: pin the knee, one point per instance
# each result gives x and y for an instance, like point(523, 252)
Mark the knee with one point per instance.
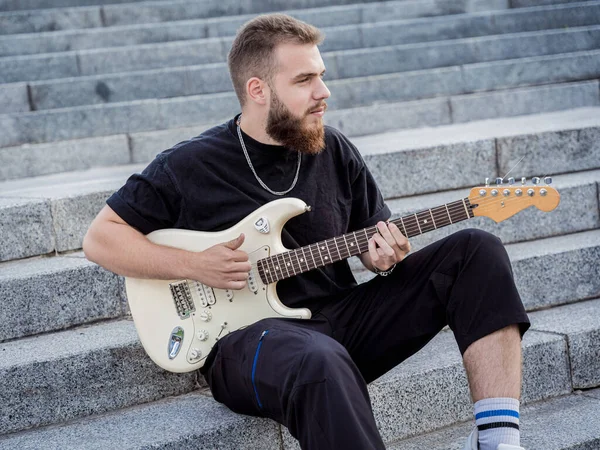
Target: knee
point(476, 239)
point(325, 358)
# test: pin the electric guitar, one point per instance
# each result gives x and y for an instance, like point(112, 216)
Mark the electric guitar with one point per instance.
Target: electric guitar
point(179, 321)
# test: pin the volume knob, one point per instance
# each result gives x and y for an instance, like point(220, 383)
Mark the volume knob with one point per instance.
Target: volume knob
point(202, 335)
point(205, 316)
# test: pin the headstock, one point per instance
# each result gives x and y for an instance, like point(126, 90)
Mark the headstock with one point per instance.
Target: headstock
point(502, 201)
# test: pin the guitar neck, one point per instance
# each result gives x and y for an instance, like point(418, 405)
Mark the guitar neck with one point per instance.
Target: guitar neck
point(288, 264)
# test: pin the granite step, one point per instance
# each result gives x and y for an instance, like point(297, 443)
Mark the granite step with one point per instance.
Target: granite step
point(434, 379)
point(18, 5)
point(539, 268)
point(565, 423)
point(188, 28)
point(377, 117)
point(369, 35)
point(52, 213)
point(60, 376)
point(71, 291)
point(552, 143)
point(54, 293)
point(364, 86)
point(49, 20)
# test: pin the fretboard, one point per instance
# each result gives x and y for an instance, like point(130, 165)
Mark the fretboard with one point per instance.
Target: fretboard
point(288, 264)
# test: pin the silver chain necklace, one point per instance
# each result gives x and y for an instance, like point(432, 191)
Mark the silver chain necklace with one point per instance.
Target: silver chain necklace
point(254, 171)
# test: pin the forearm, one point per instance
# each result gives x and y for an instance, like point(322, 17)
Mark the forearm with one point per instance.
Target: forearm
point(365, 258)
point(125, 251)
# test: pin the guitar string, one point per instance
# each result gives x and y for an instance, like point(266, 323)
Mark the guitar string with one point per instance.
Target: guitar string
point(298, 268)
point(443, 210)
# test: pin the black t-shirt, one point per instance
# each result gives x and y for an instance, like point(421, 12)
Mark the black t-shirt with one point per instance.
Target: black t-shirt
point(206, 184)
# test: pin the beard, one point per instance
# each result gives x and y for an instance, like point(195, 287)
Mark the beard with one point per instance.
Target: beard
point(295, 132)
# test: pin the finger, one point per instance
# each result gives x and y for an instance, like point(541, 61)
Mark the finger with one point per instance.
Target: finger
point(385, 233)
point(236, 285)
point(383, 245)
point(373, 251)
point(238, 276)
point(400, 239)
point(234, 244)
point(239, 255)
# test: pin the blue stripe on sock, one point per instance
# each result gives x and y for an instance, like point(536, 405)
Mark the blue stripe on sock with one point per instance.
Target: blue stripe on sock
point(497, 412)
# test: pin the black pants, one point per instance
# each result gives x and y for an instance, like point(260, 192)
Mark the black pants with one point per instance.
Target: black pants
point(312, 375)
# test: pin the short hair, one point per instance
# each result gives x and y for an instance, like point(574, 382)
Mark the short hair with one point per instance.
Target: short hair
point(252, 53)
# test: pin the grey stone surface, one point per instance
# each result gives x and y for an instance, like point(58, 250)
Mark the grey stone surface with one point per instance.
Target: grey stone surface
point(581, 325)
point(452, 52)
point(73, 216)
point(530, 71)
point(533, 3)
point(551, 152)
point(557, 270)
point(49, 20)
point(112, 60)
point(79, 122)
point(534, 124)
point(481, 24)
point(409, 172)
point(189, 111)
point(559, 424)
point(145, 146)
point(47, 294)
point(398, 87)
point(390, 116)
point(75, 373)
point(38, 67)
point(42, 159)
point(157, 83)
point(25, 227)
point(595, 393)
point(186, 422)
point(185, 29)
point(13, 98)
point(16, 5)
point(525, 101)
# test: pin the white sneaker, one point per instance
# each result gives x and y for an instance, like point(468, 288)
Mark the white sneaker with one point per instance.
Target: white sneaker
point(473, 443)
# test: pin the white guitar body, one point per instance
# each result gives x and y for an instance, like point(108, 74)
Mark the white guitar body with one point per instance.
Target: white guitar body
point(179, 321)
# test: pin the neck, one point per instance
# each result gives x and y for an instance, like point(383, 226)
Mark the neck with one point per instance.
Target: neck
point(255, 127)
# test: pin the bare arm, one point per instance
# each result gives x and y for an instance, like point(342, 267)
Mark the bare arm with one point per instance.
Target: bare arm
point(120, 248)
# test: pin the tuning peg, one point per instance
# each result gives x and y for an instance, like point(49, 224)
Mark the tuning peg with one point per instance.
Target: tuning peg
point(511, 181)
point(487, 182)
point(523, 181)
point(535, 180)
point(548, 180)
point(498, 181)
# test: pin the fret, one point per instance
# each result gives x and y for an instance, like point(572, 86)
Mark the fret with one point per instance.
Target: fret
point(326, 245)
point(338, 250)
point(466, 210)
point(448, 212)
point(357, 244)
point(261, 271)
point(417, 220)
point(320, 255)
point(411, 229)
point(312, 255)
point(424, 219)
point(304, 258)
point(440, 216)
point(402, 222)
point(298, 259)
point(347, 248)
point(271, 269)
point(432, 219)
point(289, 263)
point(278, 266)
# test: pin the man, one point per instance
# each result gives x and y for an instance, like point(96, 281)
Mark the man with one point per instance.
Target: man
point(312, 375)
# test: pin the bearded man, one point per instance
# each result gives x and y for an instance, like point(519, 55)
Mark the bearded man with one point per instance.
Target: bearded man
point(311, 375)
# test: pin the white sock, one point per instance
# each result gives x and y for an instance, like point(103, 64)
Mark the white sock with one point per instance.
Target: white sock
point(497, 421)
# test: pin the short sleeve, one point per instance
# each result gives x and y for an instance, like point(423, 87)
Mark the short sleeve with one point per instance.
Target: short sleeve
point(149, 200)
point(368, 205)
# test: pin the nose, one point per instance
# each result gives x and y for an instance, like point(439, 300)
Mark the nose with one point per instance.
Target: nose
point(322, 92)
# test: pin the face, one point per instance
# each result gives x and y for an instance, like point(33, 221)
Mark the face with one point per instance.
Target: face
point(297, 98)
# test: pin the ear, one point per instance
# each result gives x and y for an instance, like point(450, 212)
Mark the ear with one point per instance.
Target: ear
point(257, 90)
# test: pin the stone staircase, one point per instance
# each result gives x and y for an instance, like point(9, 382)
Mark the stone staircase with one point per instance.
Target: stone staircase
point(437, 95)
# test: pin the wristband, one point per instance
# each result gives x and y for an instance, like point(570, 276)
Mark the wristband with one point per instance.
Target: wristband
point(383, 273)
